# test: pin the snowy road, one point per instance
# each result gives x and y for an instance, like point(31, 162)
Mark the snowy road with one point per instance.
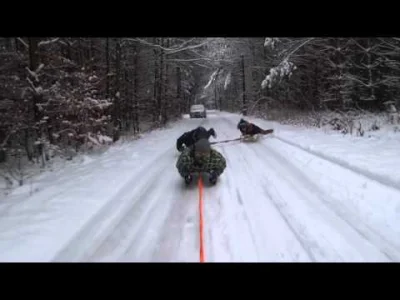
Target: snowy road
point(274, 202)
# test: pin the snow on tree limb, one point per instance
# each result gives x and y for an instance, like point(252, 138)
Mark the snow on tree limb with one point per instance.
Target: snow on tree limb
point(212, 78)
point(298, 47)
point(92, 139)
point(187, 48)
point(203, 66)
point(168, 51)
point(23, 43)
point(35, 74)
point(227, 80)
point(56, 134)
point(184, 43)
point(270, 42)
point(187, 60)
point(285, 68)
point(36, 90)
point(44, 43)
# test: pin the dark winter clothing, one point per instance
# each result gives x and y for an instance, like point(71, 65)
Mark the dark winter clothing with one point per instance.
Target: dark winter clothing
point(247, 128)
point(201, 158)
point(189, 138)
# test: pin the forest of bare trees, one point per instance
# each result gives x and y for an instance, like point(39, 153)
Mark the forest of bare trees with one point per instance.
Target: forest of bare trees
point(62, 96)
point(310, 73)
point(325, 80)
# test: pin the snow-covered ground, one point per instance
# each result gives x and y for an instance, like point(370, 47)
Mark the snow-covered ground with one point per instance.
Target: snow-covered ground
point(376, 154)
point(294, 196)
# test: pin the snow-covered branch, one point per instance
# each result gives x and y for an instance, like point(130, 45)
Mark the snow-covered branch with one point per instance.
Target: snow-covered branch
point(285, 68)
point(298, 47)
point(44, 43)
point(212, 78)
point(168, 51)
point(270, 42)
point(187, 48)
point(23, 43)
point(227, 80)
point(56, 134)
point(187, 60)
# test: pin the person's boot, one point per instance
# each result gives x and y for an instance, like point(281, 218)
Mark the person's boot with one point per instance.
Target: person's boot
point(188, 179)
point(213, 177)
point(268, 131)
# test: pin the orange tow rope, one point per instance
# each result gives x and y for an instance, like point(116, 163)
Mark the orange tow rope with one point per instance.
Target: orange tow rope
point(200, 184)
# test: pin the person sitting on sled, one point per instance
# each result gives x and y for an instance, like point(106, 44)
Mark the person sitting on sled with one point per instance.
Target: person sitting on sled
point(190, 137)
point(200, 158)
point(250, 129)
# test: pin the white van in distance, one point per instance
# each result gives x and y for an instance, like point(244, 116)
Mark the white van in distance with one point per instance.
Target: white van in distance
point(198, 111)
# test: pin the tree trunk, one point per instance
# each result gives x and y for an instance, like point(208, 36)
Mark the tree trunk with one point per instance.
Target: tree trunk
point(244, 105)
point(165, 100)
point(117, 88)
point(135, 91)
point(179, 90)
point(156, 79)
point(108, 68)
point(160, 99)
point(34, 109)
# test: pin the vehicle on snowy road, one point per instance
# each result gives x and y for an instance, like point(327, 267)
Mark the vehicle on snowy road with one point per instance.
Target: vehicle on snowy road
point(198, 111)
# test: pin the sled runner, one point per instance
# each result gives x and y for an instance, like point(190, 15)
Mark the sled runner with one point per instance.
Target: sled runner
point(250, 138)
point(255, 137)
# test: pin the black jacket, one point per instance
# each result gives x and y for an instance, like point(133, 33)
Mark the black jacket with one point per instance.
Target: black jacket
point(191, 137)
point(247, 128)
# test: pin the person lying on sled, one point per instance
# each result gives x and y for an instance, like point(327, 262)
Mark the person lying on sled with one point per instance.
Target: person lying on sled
point(250, 129)
point(188, 138)
point(201, 158)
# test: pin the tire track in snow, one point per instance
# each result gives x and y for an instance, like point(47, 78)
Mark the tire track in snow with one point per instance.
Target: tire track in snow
point(179, 227)
point(278, 209)
point(237, 221)
point(219, 217)
point(255, 232)
point(292, 228)
point(101, 224)
point(134, 223)
point(231, 123)
point(299, 227)
point(359, 171)
point(174, 231)
point(145, 231)
point(217, 235)
point(382, 243)
point(217, 243)
point(118, 243)
point(309, 192)
point(178, 237)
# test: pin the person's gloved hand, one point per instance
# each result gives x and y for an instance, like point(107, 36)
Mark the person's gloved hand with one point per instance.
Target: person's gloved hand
point(181, 147)
point(213, 133)
point(188, 179)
